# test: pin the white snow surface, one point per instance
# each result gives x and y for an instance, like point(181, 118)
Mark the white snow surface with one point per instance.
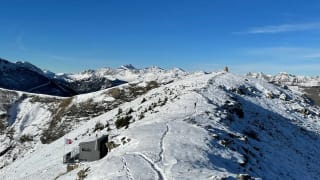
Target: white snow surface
point(191, 136)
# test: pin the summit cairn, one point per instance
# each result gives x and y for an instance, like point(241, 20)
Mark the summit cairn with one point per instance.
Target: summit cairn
point(226, 69)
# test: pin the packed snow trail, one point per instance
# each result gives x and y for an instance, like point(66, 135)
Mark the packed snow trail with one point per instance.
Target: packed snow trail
point(126, 168)
point(161, 144)
point(158, 170)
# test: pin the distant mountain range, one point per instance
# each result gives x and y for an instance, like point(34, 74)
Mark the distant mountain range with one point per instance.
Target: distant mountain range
point(310, 86)
point(284, 78)
point(24, 76)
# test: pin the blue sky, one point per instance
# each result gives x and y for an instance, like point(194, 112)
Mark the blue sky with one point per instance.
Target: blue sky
point(248, 35)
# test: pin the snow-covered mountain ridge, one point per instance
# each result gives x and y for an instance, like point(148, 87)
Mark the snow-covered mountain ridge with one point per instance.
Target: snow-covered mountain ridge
point(284, 78)
point(128, 73)
point(200, 126)
point(24, 76)
point(305, 84)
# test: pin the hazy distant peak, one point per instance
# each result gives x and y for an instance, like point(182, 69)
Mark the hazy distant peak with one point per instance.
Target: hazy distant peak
point(3, 60)
point(178, 69)
point(29, 66)
point(49, 73)
point(5, 64)
point(128, 67)
point(155, 67)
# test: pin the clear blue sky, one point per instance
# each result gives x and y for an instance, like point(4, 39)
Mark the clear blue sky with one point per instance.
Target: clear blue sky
point(246, 35)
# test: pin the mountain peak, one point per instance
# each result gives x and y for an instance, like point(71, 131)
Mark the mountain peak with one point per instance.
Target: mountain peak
point(3, 60)
point(178, 69)
point(128, 67)
point(28, 65)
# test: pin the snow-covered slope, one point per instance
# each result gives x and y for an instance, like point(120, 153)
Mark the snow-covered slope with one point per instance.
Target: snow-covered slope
point(29, 119)
point(203, 126)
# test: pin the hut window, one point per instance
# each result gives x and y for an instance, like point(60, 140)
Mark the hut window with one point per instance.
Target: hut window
point(86, 149)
